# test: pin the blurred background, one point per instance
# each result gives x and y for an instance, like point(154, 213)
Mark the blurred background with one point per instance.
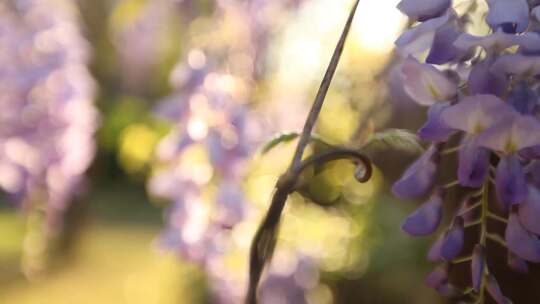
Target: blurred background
point(131, 158)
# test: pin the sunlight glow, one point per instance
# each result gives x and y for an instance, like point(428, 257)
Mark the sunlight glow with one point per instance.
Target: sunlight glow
point(377, 24)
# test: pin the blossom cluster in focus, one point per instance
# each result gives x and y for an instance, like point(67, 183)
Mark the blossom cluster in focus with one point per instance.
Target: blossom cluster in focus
point(482, 95)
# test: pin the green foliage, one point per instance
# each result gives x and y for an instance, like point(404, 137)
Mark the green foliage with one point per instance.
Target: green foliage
point(277, 140)
point(393, 140)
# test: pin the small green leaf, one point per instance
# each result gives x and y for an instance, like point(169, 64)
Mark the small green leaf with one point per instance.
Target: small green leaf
point(278, 139)
point(393, 139)
point(287, 137)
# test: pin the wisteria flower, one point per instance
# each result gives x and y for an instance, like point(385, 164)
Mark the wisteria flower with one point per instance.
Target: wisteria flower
point(423, 10)
point(425, 84)
point(512, 16)
point(419, 177)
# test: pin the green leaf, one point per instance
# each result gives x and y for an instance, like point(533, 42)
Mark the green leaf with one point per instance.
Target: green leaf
point(394, 140)
point(279, 139)
point(287, 137)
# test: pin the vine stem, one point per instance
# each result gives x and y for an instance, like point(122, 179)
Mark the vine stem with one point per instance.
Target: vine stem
point(323, 90)
point(484, 233)
point(264, 241)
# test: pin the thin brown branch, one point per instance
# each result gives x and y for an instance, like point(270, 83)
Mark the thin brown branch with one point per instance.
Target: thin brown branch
point(323, 90)
point(264, 241)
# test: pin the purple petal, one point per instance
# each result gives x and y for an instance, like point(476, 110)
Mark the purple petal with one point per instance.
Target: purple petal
point(534, 171)
point(423, 10)
point(529, 211)
point(438, 276)
point(425, 219)
point(473, 163)
point(495, 41)
point(529, 43)
point(434, 253)
point(476, 113)
point(434, 129)
point(453, 240)
point(530, 153)
point(520, 241)
point(420, 37)
point(443, 50)
point(495, 291)
point(536, 13)
point(467, 202)
point(483, 81)
point(512, 16)
point(510, 182)
point(511, 134)
point(523, 99)
point(516, 64)
point(517, 264)
point(418, 179)
point(448, 290)
point(477, 266)
point(425, 84)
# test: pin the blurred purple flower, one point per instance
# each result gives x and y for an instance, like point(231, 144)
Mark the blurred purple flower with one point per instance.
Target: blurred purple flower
point(473, 166)
point(510, 181)
point(425, 84)
point(511, 16)
point(529, 211)
point(477, 266)
point(517, 264)
point(453, 240)
point(423, 10)
point(495, 291)
point(520, 241)
point(482, 81)
point(435, 129)
point(425, 219)
point(48, 118)
point(418, 179)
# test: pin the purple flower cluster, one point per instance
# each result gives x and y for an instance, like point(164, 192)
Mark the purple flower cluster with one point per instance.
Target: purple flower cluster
point(48, 119)
point(202, 162)
point(482, 92)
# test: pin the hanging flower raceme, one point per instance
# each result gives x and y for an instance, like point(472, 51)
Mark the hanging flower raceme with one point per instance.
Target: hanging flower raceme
point(481, 93)
point(202, 163)
point(48, 119)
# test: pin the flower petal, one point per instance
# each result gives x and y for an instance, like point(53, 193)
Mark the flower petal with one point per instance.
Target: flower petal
point(420, 37)
point(477, 266)
point(438, 276)
point(534, 171)
point(434, 129)
point(510, 182)
point(443, 50)
point(425, 84)
point(493, 42)
point(530, 153)
point(464, 211)
point(418, 179)
point(453, 240)
point(448, 290)
point(523, 99)
point(473, 164)
point(422, 10)
point(495, 291)
point(520, 241)
point(476, 113)
point(483, 81)
point(511, 134)
point(512, 16)
point(426, 218)
point(517, 264)
point(434, 253)
point(516, 64)
point(529, 211)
